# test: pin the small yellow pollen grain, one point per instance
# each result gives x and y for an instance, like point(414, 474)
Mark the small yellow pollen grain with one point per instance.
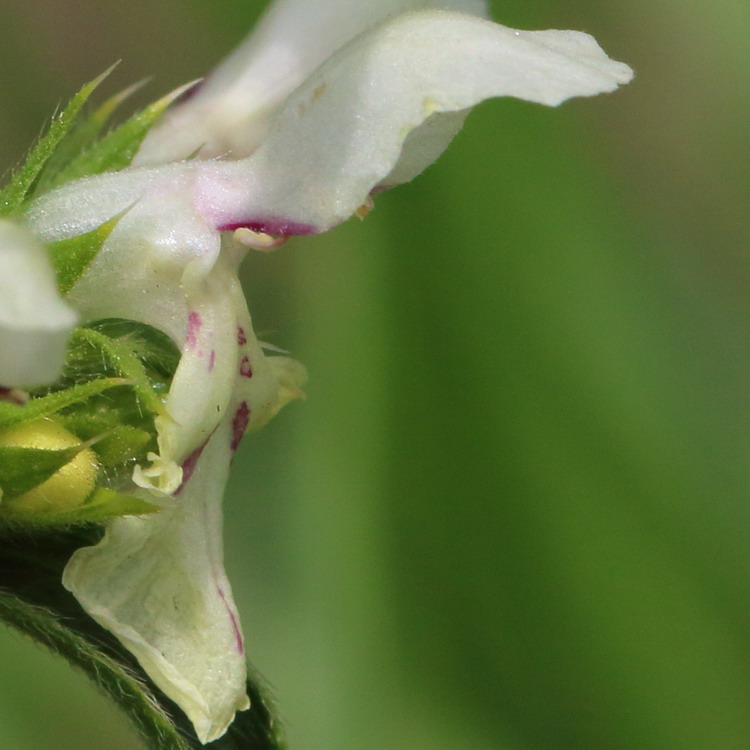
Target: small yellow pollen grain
point(429, 106)
point(365, 208)
point(71, 485)
point(319, 91)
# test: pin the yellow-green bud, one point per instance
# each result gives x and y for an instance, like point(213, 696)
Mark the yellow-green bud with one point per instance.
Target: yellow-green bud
point(71, 485)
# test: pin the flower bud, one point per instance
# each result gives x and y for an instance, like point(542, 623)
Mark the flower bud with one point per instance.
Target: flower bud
point(69, 487)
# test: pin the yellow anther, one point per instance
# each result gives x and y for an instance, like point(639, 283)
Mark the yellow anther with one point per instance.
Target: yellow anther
point(365, 208)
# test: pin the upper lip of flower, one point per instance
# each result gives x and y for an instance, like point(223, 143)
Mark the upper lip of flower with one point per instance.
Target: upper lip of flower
point(342, 133)
point(353, 113)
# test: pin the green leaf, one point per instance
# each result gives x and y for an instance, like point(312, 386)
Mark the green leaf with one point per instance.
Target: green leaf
point(154, 348)
point(81, 138)
point(101, 115)
point(20, 187)
point(103, 505)
point(116, 150)
point(22, 469)
point(121, 356)
point(45, 406)
point(121, 444)
point(70, 258)
point(116, 412)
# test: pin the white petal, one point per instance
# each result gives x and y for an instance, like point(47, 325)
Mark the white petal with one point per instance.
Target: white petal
point(341, 134)
point(376, 114)
point(229, 114)
point(162, 266)
point(158, 243)
point(206, 378)
point(158, 584)
point(83, 205)
point(34, 321)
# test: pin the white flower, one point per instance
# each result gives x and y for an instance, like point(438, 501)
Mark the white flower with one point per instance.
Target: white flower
point(34, 321)
point(329, 102)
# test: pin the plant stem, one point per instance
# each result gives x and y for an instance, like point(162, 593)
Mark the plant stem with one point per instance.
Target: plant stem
point(124, 688)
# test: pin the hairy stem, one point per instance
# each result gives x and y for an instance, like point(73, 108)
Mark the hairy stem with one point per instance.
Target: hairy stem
point(116, 680)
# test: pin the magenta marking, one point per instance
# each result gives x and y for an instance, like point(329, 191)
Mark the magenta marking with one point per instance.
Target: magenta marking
point(188, 466)
point(235, 625)
point(239, 424)
point(211, 360)
point(275, 227)
point(193, 327)
point(246, 369)
point(241, 338)
point(13, 395)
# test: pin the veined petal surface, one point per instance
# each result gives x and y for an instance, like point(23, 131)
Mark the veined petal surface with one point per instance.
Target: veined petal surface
point(230, 112)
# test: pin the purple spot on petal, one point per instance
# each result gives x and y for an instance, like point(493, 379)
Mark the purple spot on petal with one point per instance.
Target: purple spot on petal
point(246, 369)
point(211, 360)
point(235, 625)
point(239, 424)
point(193, 327)
point(241, 338)
point(188, 466)
point(275, 227)
point(14, 395)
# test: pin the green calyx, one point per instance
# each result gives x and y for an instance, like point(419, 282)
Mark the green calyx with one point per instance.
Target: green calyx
point(67, 453)
point(74, 147)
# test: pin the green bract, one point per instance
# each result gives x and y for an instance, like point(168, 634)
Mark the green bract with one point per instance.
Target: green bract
point(21, 186)
point(71, 148)
point(110, 390)
point(112, 386)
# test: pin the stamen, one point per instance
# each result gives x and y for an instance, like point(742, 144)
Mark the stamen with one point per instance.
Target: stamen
point(257, 240)
point(362, 212)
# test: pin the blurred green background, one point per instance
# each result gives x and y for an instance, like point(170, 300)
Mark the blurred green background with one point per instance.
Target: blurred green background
point(514, 512)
